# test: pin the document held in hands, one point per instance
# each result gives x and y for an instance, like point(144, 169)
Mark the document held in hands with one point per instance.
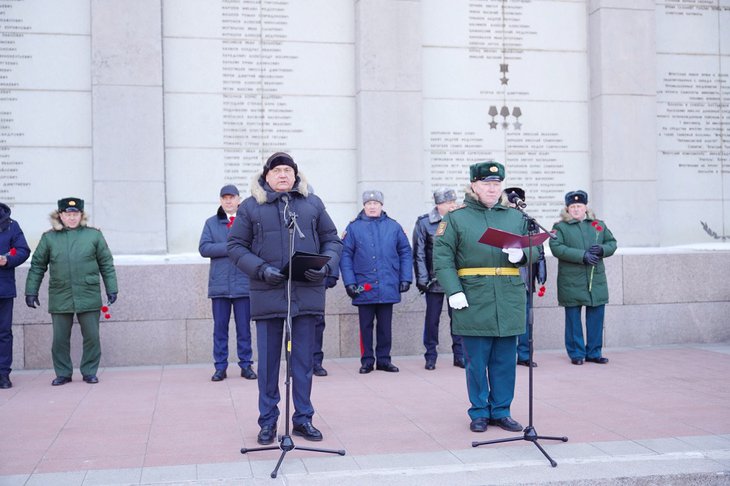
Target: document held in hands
point(301, 262)
point(505, 239)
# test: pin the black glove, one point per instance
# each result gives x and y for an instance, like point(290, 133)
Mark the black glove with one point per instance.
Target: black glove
point(422, 287)
point(330, 282)
point(111, 298)
point(590, 259)
point(316, 275)
point(352, 290)
point(596, 250)
point(404, 286)
point(273, 275)
point(32, 301)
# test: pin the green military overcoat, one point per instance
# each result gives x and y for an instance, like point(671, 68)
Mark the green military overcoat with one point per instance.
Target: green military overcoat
point(76, 258)
point(496, 303)
point(573, 239)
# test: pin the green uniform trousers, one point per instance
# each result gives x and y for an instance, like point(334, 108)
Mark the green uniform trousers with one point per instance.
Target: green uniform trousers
point(490, 375)
point(61, 347)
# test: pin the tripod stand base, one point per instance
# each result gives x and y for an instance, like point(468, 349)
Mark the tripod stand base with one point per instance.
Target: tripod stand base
point(286, 444)
point(530, 435)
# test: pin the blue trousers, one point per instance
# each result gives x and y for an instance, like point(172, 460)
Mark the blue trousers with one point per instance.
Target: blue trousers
point(221, 317)
point(574, 344)
point(523, 340)
point(434, 306)
point(269, 336)
point(490, 375)
point(319, 340)
point(384, 315)
point(6, 335)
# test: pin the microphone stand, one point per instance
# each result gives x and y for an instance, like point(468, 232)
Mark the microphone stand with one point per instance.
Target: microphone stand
point(530, 434)
point(286, 443)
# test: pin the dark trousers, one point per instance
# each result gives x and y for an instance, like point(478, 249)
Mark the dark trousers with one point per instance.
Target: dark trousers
point(6, 335)
point(221, 317)
point(319, 341)
point(523, 340)
point(368, 313)
point(490, 375)
point(269, 336)
point(61, 347)
point(574, 344)
point(434, 306)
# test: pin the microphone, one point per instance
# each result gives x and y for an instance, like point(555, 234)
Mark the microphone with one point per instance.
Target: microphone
point(515, 199)
point(290, 217)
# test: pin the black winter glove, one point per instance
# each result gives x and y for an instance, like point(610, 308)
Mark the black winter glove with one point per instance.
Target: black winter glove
point(273, 275)
point(596, 250)
point(32, 301)
point(423, 288)
point(330, 282)
point(111, 298)
point(352, 290)
point(316, 275)
point(590, 259)
point(404, 286)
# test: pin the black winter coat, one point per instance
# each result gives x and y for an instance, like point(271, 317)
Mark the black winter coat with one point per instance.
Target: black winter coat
point(259, 237)
point(423, 251)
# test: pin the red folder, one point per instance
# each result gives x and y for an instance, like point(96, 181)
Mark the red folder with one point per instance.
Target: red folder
point(505, 239)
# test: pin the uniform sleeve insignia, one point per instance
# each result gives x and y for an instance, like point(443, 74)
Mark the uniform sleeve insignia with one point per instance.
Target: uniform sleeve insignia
point(441, 228)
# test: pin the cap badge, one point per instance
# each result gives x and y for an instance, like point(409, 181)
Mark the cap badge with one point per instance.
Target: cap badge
point(493, 169)
point(72, 203)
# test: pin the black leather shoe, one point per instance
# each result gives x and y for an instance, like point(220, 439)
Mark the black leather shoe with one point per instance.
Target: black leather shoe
point(91, 379)
point(459, 362)
point(389, 367)
point(526, 362)
point(600, 360)
point(576, 361)
point(319, 371)
point(267, 434)
point(61, 380)
point(248, 373)
point(507, 423)
point(308, 431)
point(366, 369)
point(478, 425)
point(219, 375)
point(430, 365)
point(5, 381)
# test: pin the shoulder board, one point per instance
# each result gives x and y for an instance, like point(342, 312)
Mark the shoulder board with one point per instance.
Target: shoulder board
point(422, 217)
point(457, 208)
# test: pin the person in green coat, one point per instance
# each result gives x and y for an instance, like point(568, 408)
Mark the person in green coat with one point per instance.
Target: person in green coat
point(486, 292)
point(581, 245)
point(76, 255)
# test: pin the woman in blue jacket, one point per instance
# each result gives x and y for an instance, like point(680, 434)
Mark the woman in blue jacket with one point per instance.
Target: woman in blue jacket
point(376, 266)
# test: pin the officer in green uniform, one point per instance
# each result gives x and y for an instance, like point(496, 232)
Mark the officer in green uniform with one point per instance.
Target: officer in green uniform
point(76, 255)
point(486, 292)
point(582, 242)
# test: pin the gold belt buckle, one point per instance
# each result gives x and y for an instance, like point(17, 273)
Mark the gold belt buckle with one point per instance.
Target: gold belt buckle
point(498, 271)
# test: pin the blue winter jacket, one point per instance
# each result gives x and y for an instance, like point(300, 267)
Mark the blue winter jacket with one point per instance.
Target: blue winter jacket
point(376, 252)
point(11, 236)
point(224, 279)
point(260, 238)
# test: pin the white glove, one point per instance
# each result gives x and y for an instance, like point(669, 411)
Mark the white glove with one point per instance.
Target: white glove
point(458, 301)
point(513, 254)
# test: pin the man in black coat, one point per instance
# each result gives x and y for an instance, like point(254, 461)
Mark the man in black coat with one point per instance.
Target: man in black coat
point(423, 232)
point(259, 244)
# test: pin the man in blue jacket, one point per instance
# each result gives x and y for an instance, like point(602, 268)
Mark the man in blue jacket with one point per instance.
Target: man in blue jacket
point(260, 244)
point(227, 287)
point(14, 250)
point(376, 268)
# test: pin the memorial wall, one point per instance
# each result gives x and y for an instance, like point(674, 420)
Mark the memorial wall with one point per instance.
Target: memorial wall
point(240, 79)
point(693, 120)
